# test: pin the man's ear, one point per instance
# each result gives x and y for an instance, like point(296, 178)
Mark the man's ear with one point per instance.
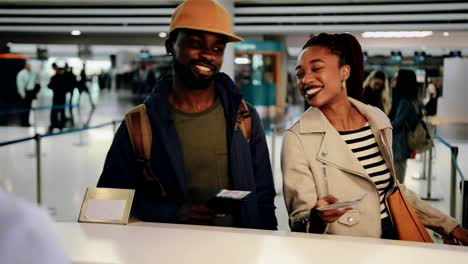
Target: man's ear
point(169, 46)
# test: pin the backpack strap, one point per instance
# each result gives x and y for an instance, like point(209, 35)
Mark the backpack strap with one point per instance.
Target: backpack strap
point(139, 129)
point(243, 121)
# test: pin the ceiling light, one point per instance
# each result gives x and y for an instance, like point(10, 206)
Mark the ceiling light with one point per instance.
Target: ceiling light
point(396, 34)
point(446, 34)
point(162, 34)
point(76, 32)
point(242, 61)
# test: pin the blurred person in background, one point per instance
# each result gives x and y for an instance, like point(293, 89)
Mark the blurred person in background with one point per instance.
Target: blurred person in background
point(404, 115)
point(104, 80)
point(376, 91)
point(82, 86)
point(69, 85)
point(58, 85)
point(28, 86)
point(27, 234)
point(433, 92)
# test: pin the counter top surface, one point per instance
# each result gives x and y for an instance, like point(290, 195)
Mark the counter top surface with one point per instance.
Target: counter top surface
point(168, 243)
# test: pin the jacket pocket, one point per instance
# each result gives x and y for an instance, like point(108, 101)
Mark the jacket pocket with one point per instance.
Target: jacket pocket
point(351, 218)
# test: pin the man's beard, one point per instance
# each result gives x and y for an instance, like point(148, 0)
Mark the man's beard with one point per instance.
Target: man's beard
point(186, 75)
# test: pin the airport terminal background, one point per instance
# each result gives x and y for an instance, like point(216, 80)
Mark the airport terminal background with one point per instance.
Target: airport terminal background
point(434, 40)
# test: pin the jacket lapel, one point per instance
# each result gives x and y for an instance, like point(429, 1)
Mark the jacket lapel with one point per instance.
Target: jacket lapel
point(382, 129)
point(333, 150)
point(162, 121)
point(231, 98)
point(385, 147)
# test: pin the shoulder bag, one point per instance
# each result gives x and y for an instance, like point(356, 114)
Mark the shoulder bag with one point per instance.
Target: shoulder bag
point(407, 224)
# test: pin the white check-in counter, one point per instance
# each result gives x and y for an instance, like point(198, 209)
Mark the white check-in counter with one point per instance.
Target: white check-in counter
point(138, 243)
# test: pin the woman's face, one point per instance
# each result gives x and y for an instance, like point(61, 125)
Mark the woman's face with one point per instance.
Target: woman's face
point(319, 77)
point(376, 84)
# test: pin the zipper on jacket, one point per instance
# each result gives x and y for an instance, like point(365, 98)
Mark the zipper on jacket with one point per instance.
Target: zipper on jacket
point(327, 191)
point(392, 189)
point(325, 177)
point(385, 153)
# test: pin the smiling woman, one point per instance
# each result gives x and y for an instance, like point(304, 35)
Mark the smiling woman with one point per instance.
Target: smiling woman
point(341, 149)
point(320, 77)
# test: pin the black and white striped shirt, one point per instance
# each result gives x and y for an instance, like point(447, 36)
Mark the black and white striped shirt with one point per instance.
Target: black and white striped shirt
point(362, 143)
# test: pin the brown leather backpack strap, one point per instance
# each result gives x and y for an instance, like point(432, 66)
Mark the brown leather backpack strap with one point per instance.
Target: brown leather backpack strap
point(243, 121)
point(139, 129)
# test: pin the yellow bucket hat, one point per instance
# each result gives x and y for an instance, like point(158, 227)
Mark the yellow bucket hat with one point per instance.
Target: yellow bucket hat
point(204, 15)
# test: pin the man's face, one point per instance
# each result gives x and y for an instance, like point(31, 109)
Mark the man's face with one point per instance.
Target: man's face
point(197, 56)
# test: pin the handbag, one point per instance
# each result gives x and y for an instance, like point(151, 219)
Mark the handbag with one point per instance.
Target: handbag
point(406, 222)
point(419, 138)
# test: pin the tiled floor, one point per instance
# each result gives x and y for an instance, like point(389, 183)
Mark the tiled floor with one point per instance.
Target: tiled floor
point(72, 162)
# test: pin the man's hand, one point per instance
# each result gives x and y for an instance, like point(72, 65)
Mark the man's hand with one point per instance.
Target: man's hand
point(329, 216)
point(195, 215)
point(460, 234)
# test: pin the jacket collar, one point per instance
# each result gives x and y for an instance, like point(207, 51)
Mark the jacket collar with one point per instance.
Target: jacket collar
point(231, 98)
point(313, 120)
point(333, 150)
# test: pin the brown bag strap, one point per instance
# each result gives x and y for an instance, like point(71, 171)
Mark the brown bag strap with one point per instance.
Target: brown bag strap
point(243, 121)
point(421, 229)
point(139, 129)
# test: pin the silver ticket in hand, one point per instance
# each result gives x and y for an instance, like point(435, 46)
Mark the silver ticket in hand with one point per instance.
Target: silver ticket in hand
point(341, 205)
point(233, 194)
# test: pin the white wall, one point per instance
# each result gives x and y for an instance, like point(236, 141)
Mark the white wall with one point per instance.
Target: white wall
point(452, 106)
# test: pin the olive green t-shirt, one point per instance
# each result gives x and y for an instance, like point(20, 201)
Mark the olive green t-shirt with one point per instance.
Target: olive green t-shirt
point(202, 137)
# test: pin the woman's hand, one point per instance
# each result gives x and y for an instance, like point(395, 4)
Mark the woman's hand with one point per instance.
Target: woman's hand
point(329, 216)
point(460, 234)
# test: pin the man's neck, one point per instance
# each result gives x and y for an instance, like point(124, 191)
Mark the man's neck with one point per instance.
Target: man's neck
point(189, 100)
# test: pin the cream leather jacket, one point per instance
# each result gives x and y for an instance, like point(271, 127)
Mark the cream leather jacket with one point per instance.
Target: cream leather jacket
point(316, 161)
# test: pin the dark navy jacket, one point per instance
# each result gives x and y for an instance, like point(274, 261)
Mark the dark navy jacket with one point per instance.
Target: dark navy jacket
point(249, 164)
point(406, 117)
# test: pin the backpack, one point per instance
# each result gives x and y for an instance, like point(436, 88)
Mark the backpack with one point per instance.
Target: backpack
point(420, 139)
point(139, 129)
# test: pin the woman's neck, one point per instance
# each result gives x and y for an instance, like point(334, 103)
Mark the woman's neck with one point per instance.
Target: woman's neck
point(344, 116)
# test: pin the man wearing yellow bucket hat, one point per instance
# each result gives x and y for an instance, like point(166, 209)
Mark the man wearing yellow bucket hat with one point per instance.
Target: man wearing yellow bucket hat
point(204, 138)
